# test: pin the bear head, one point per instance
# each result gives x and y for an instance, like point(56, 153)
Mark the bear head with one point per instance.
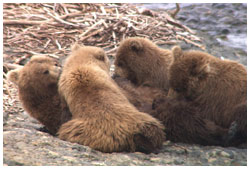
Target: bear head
point(136, 59)
point(88, 55)
point(188, 73)
point(39, 73)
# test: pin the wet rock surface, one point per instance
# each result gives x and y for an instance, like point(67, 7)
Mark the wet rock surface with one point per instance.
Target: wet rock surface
point(24, 143)
point(222, 26)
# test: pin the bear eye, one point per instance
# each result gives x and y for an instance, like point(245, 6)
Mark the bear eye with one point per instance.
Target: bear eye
point(46, 72)
point(101, 58)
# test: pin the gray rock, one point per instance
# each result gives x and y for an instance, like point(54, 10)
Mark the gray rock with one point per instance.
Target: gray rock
point(24, 145)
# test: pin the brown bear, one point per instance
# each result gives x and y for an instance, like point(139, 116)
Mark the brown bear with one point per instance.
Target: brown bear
point(38, 92)
point(102, 117)
point(216, 88)
point(143, 63)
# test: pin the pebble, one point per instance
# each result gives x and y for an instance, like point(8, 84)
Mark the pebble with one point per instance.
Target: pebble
point(178, 161)
point(21, 145)
point(211, 160)
point(225, 154)
point(69, 159)
point(155, 159)
point(53, 154)
point(97, 163)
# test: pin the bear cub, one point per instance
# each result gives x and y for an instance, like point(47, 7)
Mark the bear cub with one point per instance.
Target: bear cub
point(143, 63)
point(141, 71)
point(215, 89)
point(38, 91)
point(102, 117)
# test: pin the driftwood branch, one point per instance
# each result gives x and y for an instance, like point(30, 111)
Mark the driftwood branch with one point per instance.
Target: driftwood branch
point(189, 41)
point(28, 22)
point(22, 22)
point(175, 11)
point(11, 66)
point(59, 19)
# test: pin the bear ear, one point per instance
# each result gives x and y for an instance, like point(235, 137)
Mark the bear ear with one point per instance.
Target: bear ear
point(200, 70)
point(34, 57)
point(205, 69)
point(13, 76)
point(100, 55)
point(135, 46)
point(75, 46)
point(177, 52)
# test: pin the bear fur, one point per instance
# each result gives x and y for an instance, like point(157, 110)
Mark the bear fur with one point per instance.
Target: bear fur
point(102, 117)
point(216, 88)
point(183, 123)
point(141, 97)
point(143, 63)
point(38, 92)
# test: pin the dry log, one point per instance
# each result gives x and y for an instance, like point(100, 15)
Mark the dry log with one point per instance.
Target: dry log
point(22, 22)
point(174, 12)
point(11, 66)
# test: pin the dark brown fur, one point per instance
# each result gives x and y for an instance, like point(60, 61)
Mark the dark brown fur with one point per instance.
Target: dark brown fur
point(103, 118)
point(37, 85)
point(140, 96)
point(143, 63)
point(214, 85)
point(216, 88)
point(183, 123)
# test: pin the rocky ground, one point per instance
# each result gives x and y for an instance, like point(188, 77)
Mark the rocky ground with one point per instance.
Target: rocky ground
point(24, 142)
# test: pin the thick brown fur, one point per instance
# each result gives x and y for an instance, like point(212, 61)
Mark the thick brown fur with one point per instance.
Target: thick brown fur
point(215, 85)
point(141, 97)
point(183, 123)
point(216, 88)
point(38, 92)
point(102, 117)
point(143, 63)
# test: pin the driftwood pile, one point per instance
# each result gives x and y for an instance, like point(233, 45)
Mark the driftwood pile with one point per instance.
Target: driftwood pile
point(52, 28)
